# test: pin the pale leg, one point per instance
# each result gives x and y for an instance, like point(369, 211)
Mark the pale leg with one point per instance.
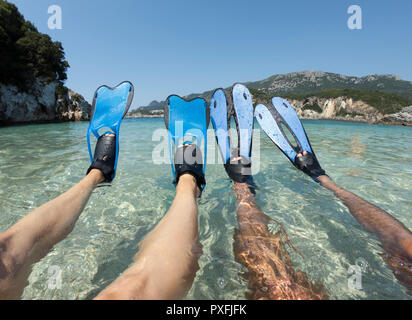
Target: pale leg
point(167, 261)
point(31, 238)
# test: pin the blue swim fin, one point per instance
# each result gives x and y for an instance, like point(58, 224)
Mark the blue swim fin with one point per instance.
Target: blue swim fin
point(187, 123)
point(240, 107)
point(220, 113)
point(279, 116)
point(109, 107)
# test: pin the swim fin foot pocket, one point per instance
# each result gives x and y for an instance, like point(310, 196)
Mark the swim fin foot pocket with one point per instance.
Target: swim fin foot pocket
point(189, 160)
point(239, 170)
point(105, 156)
point(309, 164)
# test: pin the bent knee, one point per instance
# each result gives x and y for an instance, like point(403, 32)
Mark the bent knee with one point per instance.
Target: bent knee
point(129, 286)
point(5, 256)
point(7, 271)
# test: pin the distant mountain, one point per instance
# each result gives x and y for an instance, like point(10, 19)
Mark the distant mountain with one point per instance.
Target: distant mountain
point(154, 105)
point(310, 82)
point(316, 83)
point(154, 109)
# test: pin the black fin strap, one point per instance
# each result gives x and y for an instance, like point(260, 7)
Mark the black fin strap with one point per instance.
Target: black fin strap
point(309, 164)
point(239, 170)
point(105, 156)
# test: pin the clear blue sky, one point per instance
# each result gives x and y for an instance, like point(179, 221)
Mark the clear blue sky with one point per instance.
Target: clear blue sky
point(187, 46)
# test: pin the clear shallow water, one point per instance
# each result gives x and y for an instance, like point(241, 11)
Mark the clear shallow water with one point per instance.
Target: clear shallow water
point(39, 162)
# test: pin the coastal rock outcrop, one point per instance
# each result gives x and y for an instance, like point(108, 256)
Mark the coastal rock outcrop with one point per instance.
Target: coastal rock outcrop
point(72, 107)
point(340, 108)
point(41, 103)
point(403, 117)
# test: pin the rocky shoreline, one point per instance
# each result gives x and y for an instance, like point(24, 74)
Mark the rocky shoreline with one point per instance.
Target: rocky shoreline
point(395, 123)
point(336, 109)
point(45, 102)
point(152, 114)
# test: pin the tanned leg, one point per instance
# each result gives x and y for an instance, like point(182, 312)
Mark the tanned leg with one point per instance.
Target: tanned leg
point(270, 271)
point(167, 261)
point(31, 238)
point(396, 239)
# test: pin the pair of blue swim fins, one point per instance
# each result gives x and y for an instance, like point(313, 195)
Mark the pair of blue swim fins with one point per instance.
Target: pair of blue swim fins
point(187, 122)
point(274, 119)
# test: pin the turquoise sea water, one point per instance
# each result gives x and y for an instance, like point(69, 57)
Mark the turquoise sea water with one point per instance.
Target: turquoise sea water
point(39, 162)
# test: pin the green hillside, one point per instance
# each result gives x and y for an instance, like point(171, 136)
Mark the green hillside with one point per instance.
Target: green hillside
point(387, 93)
point(315, 81)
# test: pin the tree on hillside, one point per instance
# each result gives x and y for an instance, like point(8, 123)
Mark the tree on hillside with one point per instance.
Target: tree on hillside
point(25, 53)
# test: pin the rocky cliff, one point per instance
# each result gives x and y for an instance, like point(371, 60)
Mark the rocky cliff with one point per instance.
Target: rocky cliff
point(340, 108)
point(41, 103)
point(72, 107)
point(348, 109)
point(403, 117)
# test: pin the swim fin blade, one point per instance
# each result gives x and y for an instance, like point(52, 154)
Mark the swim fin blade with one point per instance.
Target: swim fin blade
point(243, 115)
point(109, 107)
point(187, 122)
point(220, 113)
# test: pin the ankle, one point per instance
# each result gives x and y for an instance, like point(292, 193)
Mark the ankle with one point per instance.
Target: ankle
point(187, 183)
point(243, 193)
point(97, 176)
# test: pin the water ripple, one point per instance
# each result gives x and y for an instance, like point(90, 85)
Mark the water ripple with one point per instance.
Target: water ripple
point(39, 162)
